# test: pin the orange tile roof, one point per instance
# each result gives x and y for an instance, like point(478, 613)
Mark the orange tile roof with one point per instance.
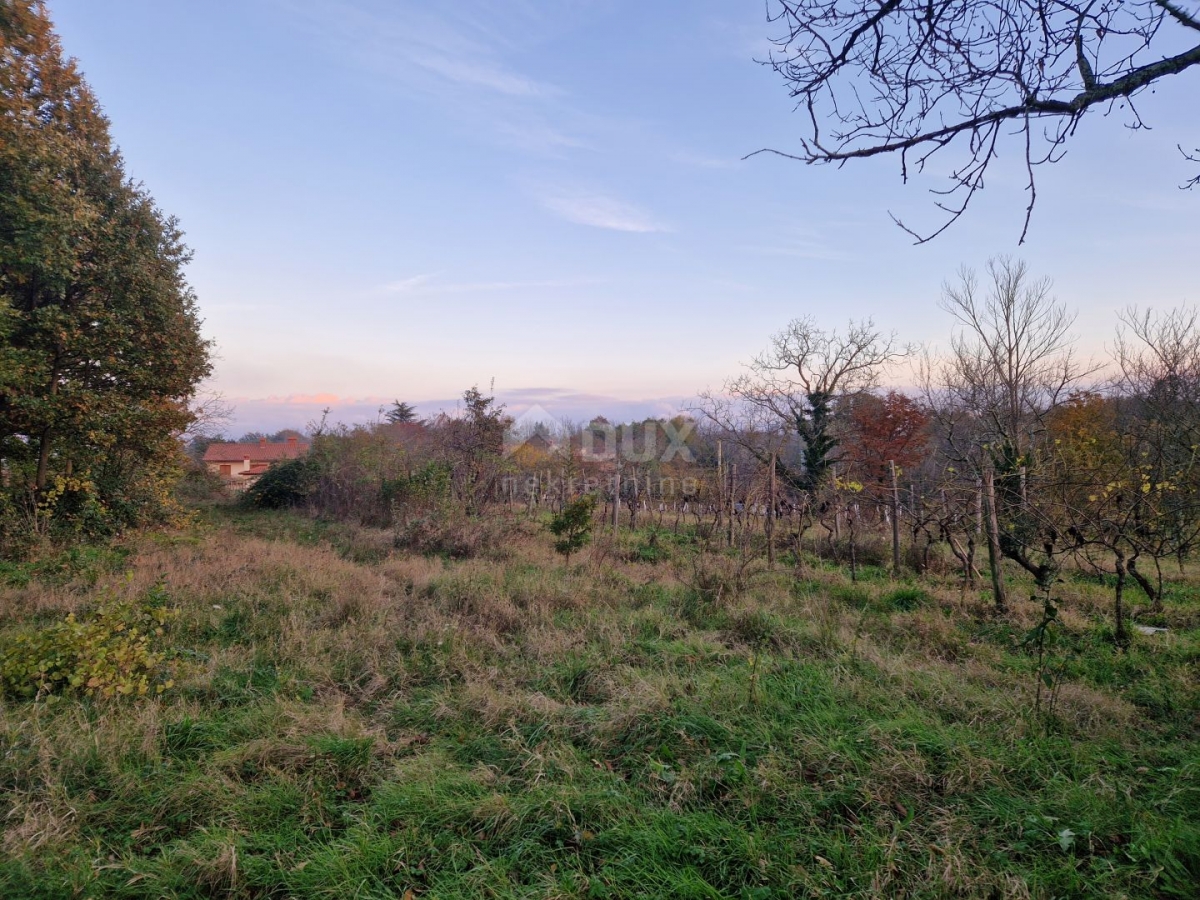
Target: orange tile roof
point(257, 452)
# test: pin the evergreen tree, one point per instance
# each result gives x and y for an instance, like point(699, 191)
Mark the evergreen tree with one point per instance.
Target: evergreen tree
point(573, 526)
point(103, 344)
point(401, 413)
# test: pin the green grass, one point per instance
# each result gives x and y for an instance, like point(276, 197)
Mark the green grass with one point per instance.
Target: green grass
point(367, 724)
point(84, 564)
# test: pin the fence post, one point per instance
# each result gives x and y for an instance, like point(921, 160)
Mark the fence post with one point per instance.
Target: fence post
point(771, 517)
point(895, 520)
point(993, 539)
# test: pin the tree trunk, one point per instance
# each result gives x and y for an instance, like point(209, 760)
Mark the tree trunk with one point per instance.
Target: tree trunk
point(770, 523)
point(717, 519)
point(43, 467)
point(993, 541)
point(1153, 592)
point(616, 513)
point(966, 556)
point(729, 511)
point(850, 521)
point(1122, 636)
point(978, 507)
point(971, 572)
point(895, 521)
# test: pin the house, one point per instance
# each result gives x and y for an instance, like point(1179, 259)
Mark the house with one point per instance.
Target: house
point(241, 464)
point(539, 443)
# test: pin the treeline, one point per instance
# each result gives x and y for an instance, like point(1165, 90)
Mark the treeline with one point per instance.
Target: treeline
point(464, 465)
point(1012, 448)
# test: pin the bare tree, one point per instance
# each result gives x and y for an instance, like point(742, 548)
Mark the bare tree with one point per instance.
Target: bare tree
point(1160, 349)
point(1010, 364)
point(796, 383)
point(1011, 359)
point(211, 416)
point(915, 77)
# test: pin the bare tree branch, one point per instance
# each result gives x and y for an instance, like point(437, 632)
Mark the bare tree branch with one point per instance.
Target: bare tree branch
point(921, 76)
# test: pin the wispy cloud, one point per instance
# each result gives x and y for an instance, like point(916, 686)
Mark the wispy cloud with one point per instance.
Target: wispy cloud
point(309, 399)
point(803, 250)
point(571, 404)
point(801, 244)
point(600, 211)
point(407, 285)
point(427, 284)
point(539, 137)
point(468, 60)
point(410, 41)
point(490, 76)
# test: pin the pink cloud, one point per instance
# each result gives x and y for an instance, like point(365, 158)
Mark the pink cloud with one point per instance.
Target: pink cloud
point(309, 399)
point(270, 414)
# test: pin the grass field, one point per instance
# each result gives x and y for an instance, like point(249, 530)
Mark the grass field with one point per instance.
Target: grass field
point(351, 721)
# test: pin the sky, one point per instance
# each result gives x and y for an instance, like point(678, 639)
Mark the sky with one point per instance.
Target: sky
point(391, 199)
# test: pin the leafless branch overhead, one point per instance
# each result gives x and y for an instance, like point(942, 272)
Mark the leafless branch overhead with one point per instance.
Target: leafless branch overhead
point(915, 77)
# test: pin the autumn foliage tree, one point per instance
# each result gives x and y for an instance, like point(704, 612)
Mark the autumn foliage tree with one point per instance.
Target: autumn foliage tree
point(103, 345)
point(881, 431)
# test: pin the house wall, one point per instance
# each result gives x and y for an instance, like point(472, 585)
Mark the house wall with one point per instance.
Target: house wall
point(235, 468)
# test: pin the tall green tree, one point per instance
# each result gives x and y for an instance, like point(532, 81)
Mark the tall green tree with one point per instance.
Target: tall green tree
point(401, 413)
point(103, 344)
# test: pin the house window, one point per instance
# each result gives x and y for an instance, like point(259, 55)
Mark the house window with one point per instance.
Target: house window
point(226, 470)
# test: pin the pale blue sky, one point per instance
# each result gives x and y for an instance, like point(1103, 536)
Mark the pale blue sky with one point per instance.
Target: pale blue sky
point(404, 199)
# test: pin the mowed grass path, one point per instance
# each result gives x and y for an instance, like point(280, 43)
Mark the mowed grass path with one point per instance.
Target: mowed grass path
point(353, 722)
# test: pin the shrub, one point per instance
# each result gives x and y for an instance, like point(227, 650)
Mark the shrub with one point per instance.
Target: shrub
point(113, 652)
point(717, 578)
point(357, 473)
point(447, 531)
point(199, 485)
point(573, 526)
point(17, 536)
point(868, 549)
point(926, 559)
point(283, 485)
point(428, 485)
